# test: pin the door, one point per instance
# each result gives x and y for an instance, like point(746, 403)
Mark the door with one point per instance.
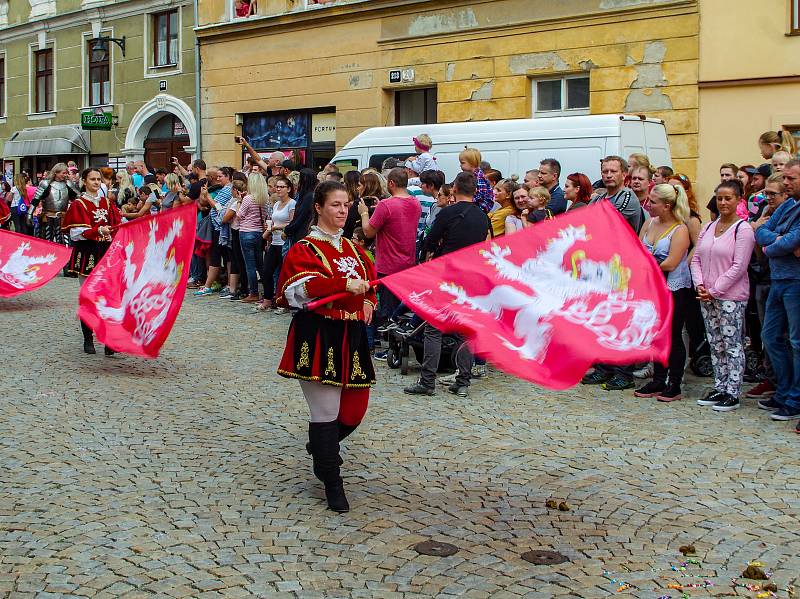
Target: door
point(159, 153)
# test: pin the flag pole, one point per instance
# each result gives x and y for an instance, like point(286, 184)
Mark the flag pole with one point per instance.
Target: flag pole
point(313, 305)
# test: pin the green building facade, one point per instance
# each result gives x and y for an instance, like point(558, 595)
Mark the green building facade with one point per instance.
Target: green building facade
point(127, 64)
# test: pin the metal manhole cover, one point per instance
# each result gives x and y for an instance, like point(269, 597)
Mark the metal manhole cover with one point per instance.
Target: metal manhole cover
point(435, 548)
point(544, 558)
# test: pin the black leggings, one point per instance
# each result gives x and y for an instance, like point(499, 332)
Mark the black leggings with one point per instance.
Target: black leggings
point(682, 299)
point(237, 260)
point(273, 262)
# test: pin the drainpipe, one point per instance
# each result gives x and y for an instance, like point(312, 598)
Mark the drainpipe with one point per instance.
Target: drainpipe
point(198, 126)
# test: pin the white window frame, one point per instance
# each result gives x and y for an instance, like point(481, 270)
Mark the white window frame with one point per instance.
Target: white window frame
point(154, 72)
point(563, 111)
point(49, 44)
point(87, 35)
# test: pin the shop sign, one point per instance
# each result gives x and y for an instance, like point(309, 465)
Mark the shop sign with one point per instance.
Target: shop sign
point(97, 122)
point(323, 127)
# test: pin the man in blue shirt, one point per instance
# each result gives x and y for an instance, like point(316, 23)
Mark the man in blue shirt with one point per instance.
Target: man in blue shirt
point(780, 238)
point(549, 173)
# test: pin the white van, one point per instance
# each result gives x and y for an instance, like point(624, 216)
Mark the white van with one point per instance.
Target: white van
point(516, 146)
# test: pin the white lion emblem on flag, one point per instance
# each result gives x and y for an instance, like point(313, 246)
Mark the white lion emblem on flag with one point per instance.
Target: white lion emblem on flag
point(22, 270)
point(556, 292)
point(150, 288)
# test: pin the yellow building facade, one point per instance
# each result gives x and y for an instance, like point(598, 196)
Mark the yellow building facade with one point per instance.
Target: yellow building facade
point(351, 65)
point(749, 80)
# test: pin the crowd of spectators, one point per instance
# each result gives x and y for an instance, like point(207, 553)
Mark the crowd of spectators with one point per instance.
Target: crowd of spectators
point(734, 273)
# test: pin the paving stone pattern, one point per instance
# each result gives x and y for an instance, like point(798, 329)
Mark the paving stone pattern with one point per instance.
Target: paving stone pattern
point(186, 476)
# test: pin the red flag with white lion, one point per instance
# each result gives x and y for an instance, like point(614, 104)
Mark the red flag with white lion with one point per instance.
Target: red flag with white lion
point(134, 294)
point(546, 303)
point(27, 263)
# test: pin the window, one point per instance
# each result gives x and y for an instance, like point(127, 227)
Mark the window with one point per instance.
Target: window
point(561, 97)
point(99, 81)
point(794, 25)
point(43, 64)
point(165, 39)
point(415, 106)
point(2, 86)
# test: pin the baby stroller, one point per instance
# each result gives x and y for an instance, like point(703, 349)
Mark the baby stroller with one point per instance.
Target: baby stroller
point(700, 362)
point(406, 336)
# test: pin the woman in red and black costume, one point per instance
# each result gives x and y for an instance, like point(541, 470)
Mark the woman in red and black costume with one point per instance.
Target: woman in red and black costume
point(327, 349)
point(90, 222)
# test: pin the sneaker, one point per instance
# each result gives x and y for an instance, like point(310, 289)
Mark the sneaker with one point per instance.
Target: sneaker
point(456, 389)
point(595, 378)
point(651, 389)
point(671, 393)
point(235, 297)
point(479, 371)
point(448, 380)
point(769, 404)
point(618, 382)
point(643, 373)
point(762, 390)
point(216, 286)
point(386, 327)
point(711, 398)
point(192, 284)
point(785, 413)
point(204, 291)
point(379, 355)
point(419, 389)
point(280, 311)
point(225, 293)
point(726, 403)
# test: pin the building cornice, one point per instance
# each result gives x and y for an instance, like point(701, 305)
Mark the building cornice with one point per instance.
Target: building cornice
point(102, 13)
point(339, 13)
point(748, 81)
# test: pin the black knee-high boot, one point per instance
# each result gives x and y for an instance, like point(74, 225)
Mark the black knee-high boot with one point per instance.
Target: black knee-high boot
point(345, 430)
point(88, 339)
point(324, 440)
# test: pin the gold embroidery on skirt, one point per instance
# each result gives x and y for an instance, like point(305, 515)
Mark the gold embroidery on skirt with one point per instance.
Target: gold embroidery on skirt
point(330, 369)
point(303, 356)
point(91, 261)
point(357, 368)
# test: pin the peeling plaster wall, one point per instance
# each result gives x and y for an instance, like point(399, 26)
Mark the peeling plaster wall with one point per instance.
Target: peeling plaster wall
point(481, 65)
point(445, 22)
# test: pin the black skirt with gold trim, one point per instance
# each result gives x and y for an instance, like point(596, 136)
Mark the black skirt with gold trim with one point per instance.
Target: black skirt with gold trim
point(328, 351)
point(85, 255)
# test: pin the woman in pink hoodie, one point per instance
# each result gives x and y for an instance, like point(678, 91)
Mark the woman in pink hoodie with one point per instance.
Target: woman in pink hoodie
point(719, 272)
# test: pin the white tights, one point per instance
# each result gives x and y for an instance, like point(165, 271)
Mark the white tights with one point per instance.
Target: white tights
point(323, 401)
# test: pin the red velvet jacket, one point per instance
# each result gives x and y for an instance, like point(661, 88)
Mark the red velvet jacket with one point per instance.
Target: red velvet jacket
point(83, 213)
point(330, 267)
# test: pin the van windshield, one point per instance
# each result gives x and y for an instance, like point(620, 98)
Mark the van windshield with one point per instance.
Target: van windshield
point(346, 164)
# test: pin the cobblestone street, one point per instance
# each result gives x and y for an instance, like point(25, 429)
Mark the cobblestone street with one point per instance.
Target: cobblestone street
point(187, 476)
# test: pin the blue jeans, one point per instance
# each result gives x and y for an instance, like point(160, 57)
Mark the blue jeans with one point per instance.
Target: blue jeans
point(782, 319)
point(253, 252)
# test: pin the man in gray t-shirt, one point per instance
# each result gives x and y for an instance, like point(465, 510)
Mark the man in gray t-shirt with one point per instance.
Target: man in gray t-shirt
point(613, 169)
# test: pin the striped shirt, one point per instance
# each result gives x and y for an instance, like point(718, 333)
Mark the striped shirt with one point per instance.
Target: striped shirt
point(250, 217)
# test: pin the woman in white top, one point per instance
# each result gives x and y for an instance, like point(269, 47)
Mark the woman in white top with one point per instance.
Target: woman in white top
point(282, 215)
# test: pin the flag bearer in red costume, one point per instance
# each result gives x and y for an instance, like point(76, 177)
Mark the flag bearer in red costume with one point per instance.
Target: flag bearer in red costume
point(327, 349)
point(90, 222)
